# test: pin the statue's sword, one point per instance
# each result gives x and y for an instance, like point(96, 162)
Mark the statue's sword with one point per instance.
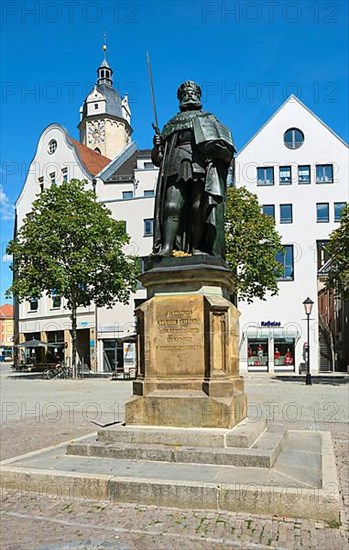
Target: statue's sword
point(156, 125)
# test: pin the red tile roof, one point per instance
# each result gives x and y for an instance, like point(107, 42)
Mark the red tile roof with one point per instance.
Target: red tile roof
point(6, 311)
point(93, 162)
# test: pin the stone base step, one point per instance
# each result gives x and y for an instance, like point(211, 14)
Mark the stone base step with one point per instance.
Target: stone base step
point(301, 483)
point(242, 435)
point(262, 454)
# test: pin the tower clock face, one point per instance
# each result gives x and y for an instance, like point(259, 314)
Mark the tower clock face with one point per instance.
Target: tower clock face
point(96, 131)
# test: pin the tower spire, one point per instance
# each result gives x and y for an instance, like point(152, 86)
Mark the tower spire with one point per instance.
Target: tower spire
point(104, 71)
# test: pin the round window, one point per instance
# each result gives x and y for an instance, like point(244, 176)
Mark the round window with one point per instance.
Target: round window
point(52, 146)
point(293, 138)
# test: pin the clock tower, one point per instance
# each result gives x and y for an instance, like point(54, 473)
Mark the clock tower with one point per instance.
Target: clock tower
point(105, 116)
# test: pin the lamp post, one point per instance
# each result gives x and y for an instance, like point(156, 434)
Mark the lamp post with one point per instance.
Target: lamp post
point(308, 306)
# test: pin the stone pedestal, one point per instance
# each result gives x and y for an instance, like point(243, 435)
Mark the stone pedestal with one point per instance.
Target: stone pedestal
point(188, 347)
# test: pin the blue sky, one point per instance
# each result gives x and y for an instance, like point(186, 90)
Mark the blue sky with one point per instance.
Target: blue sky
point(248, 57)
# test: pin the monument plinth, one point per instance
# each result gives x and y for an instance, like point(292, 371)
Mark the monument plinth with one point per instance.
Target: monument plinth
point(188, 330)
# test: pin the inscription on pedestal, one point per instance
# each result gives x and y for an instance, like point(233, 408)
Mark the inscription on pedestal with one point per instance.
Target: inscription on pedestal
point(179, 335)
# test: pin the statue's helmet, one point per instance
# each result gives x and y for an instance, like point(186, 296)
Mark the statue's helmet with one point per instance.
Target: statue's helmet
point(188, 84)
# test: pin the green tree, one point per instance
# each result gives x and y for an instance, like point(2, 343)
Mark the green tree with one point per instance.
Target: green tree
point(71, 246)
point(252, 243)
point(338, 248)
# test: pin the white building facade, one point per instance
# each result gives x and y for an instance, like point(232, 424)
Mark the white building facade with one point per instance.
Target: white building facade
point(298, 168)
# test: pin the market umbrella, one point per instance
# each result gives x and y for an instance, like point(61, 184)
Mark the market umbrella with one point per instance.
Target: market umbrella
point(35, 344)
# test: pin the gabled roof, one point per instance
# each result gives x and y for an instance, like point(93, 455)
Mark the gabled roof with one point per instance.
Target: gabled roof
point(6, 311)
point(126, 171)
point(92, 161)
point(292, 97)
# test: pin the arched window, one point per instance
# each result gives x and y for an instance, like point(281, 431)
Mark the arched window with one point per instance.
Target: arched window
point(97, 150)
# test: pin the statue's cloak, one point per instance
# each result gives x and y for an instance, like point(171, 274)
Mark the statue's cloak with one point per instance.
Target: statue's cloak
point(206, 128)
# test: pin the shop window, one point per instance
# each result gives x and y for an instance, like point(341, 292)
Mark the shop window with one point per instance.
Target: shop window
point(285, 175)
point(304, 174)
point(257, 352)
point(265, 176)
point(284, 352)
point(269, 210)
point(286, 258)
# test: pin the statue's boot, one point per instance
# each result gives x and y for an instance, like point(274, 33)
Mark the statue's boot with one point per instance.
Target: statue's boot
point(171, 228)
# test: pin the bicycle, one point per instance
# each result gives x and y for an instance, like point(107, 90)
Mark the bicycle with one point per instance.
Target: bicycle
point(60, 371)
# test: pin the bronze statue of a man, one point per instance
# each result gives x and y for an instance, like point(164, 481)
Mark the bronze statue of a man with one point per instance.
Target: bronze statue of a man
point(194, 152)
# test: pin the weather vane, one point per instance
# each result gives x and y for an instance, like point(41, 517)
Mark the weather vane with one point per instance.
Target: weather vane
point(104, 43)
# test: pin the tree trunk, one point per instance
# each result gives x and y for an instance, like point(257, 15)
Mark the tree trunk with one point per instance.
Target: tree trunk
point(74, 337)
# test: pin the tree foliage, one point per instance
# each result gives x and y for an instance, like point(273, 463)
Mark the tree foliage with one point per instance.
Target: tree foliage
point(252, 243)
point(338, 248)
point(69, 245)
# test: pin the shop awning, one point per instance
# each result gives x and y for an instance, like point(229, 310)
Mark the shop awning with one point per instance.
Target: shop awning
point(270, 332)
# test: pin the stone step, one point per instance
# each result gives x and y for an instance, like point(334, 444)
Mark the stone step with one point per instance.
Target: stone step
point(261, 455)
point(242, 435)
point(302, 483)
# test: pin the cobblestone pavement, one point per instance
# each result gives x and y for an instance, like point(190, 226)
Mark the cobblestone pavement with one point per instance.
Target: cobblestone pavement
point(32, 522)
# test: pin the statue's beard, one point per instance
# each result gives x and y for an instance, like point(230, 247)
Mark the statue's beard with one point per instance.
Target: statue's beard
point(190, 105)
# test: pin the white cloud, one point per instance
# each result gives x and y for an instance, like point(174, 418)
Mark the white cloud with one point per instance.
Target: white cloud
point(7, 209)
point(7, 258)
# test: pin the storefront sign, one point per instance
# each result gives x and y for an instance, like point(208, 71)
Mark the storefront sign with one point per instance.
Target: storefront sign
point(271, 324)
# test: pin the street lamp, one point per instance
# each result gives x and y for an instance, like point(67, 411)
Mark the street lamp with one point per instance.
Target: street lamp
point(308, 306)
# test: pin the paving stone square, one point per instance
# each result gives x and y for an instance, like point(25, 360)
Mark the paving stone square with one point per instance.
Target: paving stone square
point(40, 413)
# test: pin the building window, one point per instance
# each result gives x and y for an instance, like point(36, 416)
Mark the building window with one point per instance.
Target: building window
point(338, 207)
point(322, 253)
point(269, 210)
point(285, 175)
point(322, 212)
point(97, 150)
point(324, 173)
point(149, 193)
point(286, 213)
point(304, 174)
point(53, 177)
point(65, 175)
point(257, 353)
point(148, 227)
point(265, 176)
point(52, 146)
point(127, 195)
point(293, 138)
point(33, 304)
point(148, 165)
point(41, 184)
point(96, 105)
point(285, 258)
point(56, 299)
